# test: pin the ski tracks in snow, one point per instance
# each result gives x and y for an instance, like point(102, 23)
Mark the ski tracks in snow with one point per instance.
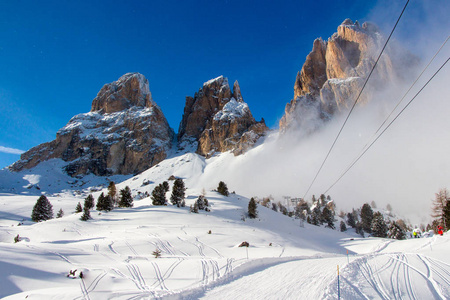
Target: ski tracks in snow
point(391, 276)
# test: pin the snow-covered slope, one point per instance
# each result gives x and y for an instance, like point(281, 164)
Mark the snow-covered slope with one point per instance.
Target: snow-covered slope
point(200, 253)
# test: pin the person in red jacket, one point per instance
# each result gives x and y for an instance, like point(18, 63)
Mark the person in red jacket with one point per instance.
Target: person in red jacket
point(440, 230)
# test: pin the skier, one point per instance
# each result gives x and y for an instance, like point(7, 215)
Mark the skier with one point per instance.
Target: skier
point(415, 233)
point(440, 230)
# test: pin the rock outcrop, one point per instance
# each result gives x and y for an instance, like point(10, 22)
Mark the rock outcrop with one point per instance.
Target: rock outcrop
point(335, 70)
point(124, 133)
point(217, 119)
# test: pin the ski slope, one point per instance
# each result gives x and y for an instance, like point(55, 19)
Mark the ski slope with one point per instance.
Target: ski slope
point(284, 260)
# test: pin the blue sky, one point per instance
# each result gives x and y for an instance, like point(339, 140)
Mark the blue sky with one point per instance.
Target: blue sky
point(56, 55)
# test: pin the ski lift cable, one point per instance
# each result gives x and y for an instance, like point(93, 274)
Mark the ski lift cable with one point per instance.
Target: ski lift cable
point(356, 101)
point(384, 130)
point(404, 95)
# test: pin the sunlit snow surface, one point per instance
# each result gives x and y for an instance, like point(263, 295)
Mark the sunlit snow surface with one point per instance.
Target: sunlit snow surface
point(114, 250)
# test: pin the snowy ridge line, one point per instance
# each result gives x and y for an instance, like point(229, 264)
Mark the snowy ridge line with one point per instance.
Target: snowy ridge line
point(248, 267)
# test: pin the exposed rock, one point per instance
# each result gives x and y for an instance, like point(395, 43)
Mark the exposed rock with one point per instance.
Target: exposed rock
point(217, 119)
point(334, 72)
point(125, 133)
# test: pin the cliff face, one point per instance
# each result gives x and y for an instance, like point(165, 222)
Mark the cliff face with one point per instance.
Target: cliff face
point(124, 133)
point(217, 119)
point(335, 70)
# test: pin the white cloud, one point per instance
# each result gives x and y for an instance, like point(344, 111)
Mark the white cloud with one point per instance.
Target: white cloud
point(11, 150)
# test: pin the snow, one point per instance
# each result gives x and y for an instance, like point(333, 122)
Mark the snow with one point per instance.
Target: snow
point(114, 249)
point(220, 78)
point(233, 109)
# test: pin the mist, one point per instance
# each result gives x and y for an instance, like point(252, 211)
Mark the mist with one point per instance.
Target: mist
point(404, 168)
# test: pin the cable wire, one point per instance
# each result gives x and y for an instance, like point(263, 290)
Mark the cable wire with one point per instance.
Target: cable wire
point(364, 152)
point(356, 101)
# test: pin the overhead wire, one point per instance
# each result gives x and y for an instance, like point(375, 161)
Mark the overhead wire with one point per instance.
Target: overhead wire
point(384, 130)
point(356, 101)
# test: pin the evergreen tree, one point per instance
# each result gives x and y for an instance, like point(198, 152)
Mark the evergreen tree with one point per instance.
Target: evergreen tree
point(105, 203)
point(200, 202)
point(86, 214)
point(60, 213)
point(274, 207)
point(396, 232)
point(359, 229)
point(166, 186)
point(159, 195)
point(343, 227)
point(350, 220)
point(252, 211)
point(178, 190)
point(379, 227)
point(126, 200)
point(446, 216)
point(222, 188)
point(78, 208)
point(327, 217)
point(101, 202)
point(366, 217)
point(42, 210)
point(89, 202)
point(315, 216)
point(112, 191)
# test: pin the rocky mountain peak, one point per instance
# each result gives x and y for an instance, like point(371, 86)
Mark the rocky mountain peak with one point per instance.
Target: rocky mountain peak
point(124, 133)
point(129, 90)
point(335, 70)
point(218, 119)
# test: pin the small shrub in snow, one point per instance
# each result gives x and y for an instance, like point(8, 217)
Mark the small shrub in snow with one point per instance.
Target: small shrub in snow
point(157, 253)
point(244, 244)
point(16, 239)
point(60, 213)
point(222, 189)
point(42, 210)
point(78, 208)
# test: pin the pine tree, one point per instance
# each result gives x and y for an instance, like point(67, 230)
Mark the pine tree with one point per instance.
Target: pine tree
point(327, 217)
point(126, 200)
point(315, 216)
point(222, 188)
point(396, 232)
point(252, 211)
point(159, 195)
point(86, 214)
point(42, 210)
point(200, 202)
point(105, 203)
point(446, 216)
point(112, 191)
point(166, 186)
point(60, 213)
point(379, 227)
point(78, 208)
point(366, 217)
point(89, 202)
point(343, 227)
point(178, 190)
point(350, 220)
